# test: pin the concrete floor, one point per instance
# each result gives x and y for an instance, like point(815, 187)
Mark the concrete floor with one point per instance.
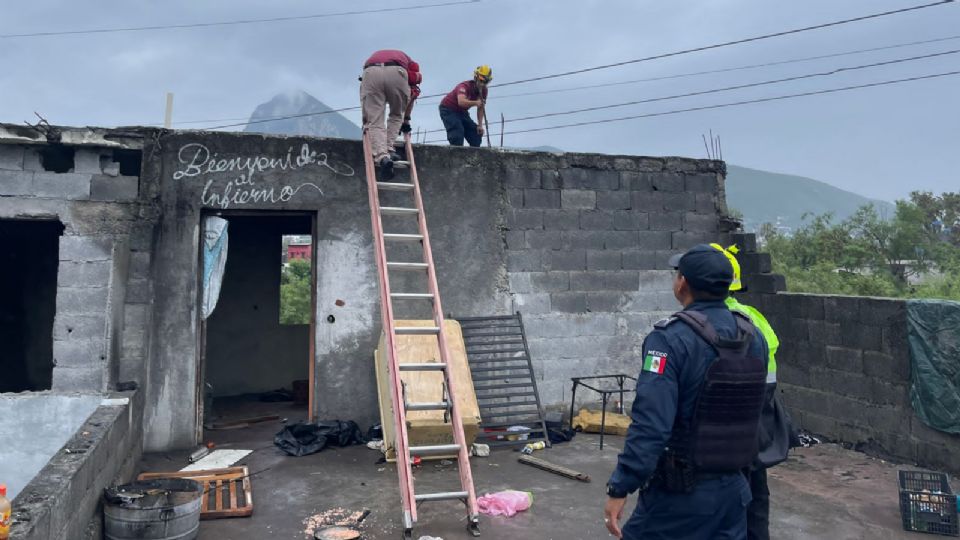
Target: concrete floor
point(821, 492)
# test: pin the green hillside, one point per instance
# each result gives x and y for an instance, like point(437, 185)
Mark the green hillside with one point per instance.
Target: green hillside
point(767, 197)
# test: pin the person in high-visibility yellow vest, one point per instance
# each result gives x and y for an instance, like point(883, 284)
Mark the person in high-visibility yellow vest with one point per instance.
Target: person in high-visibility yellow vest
point(775, 428)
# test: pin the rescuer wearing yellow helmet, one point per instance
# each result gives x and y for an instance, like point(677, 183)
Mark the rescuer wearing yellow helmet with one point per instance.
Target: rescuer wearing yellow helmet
point(455, 108)
point(775, 425)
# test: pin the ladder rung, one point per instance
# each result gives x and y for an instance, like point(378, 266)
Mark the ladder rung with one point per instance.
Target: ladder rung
point(406, 266)
point(488, 319)
point(474, 344)
point(434, 449)
point(468, 336)
point(504, 396)
point(411, 296)
point(439, 406)
point(445, 496)
point(433, 366)
point(403, 237)
point(416, 330)
point(508, 404)
point(525, 367)
point(501, 386)
point(398, 211)
point(401, 164)
point(474, 350)
point(395, 186)
point(521, 376)
point(494, 360)
point(511, 413)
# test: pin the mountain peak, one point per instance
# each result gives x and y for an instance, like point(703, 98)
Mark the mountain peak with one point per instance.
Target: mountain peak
point(299, 102)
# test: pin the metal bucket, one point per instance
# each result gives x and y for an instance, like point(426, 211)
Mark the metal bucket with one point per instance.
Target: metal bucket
point(161, 509)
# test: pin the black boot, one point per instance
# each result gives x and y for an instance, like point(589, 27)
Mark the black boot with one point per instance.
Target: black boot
point(386, 168)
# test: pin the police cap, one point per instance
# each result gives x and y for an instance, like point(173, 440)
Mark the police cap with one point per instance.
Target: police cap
point(705, 269)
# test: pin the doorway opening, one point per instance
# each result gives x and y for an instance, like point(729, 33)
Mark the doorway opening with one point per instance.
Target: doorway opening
point(28, 303)
point(257, 344)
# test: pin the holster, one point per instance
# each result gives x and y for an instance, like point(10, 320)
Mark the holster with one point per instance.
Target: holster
point(675, 474)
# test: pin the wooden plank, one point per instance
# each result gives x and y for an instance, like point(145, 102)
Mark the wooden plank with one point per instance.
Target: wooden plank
point(216, 483)
point(554, 468)
point(248, 494)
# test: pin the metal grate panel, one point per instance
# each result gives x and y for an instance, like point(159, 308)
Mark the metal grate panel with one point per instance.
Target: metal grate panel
point(503, 379)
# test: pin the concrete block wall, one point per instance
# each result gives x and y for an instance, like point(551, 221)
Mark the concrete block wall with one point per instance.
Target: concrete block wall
point(587, 242)
point(91, 284)
point(844, 370)
point(137, 312)
point(64, 499)
point(104, 230)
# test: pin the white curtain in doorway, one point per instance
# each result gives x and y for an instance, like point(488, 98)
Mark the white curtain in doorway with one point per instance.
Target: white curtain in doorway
point(214, 261)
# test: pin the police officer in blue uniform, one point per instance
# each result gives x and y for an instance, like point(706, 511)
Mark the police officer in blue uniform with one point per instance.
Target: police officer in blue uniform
point(695, 415)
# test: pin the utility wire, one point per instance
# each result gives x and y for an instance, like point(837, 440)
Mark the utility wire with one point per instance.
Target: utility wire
point(726, 44)
point(729, 69)
point(603, 85)
point(237, 22)
point(645, 59)
point(727, 89)
point(287, 117)
point(724, 105)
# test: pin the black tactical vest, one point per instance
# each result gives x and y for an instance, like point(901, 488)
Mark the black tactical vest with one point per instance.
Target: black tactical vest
point(722, 435)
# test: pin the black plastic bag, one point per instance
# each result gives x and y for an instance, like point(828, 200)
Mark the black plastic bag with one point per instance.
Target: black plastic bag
point(560, 435)
point(305, 439)
point(375, 432)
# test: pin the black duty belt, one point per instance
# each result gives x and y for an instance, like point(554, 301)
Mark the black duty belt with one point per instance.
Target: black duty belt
point(383, 64)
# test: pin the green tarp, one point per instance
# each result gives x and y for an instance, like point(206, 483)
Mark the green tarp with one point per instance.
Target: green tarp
point(933, 329)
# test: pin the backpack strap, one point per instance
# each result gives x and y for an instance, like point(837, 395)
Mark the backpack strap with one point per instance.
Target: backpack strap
point(698, 322)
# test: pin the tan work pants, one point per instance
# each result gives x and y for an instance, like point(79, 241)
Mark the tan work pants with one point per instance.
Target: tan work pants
point(382, 86)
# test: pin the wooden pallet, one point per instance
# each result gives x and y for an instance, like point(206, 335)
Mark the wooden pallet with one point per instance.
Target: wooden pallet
point(226, 492)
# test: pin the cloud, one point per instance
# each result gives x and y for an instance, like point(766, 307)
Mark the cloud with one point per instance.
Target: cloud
point(880, 142)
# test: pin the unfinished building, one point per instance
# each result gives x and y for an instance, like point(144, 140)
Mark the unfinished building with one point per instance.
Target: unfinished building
point(109, 310)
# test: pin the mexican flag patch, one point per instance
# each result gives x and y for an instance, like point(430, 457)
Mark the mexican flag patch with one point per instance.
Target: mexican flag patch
point(655, 362)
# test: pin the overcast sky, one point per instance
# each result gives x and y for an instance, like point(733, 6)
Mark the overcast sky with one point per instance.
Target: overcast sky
point(880, 142)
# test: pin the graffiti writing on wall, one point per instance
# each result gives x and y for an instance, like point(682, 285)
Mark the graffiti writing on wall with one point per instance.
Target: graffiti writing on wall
point(196, 160)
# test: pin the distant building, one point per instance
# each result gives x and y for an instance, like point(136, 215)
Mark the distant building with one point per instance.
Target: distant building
point(299, 249)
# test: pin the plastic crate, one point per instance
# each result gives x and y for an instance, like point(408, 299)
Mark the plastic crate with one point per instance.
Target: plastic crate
point(927, 504)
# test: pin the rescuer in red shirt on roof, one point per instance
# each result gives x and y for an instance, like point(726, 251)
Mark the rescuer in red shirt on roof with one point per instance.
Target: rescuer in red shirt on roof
point(389, 78)
point(455, 108)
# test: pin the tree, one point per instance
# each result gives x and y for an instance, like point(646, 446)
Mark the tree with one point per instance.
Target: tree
point(869, 254)
point(295, 293)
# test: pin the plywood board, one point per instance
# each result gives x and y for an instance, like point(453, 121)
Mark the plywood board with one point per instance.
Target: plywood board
point(226, 492)
point(218, 459)
point(427, 427)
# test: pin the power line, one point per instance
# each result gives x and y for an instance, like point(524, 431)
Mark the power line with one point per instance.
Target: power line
point(724, 105)
point(275, 118)
point(729, 69)
point(603, 85)
point(237, 22)
point(656, 57)
point(726, 44)
point(728, 88)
